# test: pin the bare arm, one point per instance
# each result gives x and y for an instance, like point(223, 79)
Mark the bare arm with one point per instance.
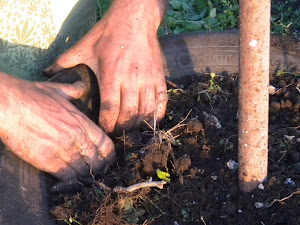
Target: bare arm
point(40, 125)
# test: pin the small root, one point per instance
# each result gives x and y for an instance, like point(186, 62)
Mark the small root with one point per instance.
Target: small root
point(283, 199)
point(131, 188)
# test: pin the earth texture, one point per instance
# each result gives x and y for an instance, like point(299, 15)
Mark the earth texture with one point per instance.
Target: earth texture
point(197, 145)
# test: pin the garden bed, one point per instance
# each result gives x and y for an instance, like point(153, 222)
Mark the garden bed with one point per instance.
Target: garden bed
point(196, 143)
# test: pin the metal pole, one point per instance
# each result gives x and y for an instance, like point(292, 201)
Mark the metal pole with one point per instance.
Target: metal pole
point(253, 92)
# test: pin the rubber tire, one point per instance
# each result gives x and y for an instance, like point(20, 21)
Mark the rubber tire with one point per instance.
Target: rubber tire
point(218, 51)
point(24, 189)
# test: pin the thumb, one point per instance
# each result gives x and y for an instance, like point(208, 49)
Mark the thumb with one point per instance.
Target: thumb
point(68, 59)
point(70, 91)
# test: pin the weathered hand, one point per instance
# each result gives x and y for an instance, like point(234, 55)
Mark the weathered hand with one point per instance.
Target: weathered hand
point(42, 127)
point(123, 51)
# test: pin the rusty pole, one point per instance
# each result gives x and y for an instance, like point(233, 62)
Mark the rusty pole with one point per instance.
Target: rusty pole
point(253, 92)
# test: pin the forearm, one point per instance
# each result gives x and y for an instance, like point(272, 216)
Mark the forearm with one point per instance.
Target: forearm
point(142, 15)
point(6, 84)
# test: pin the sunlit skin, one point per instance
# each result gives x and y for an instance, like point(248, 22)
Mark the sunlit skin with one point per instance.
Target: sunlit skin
point(123, 51)
point(41, 126)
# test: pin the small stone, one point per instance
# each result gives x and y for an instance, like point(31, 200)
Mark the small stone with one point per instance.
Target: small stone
point(232, 165)
point(211, 121)
point(259, 205)
point(290, 181)
point(214, 177)
point(288, 137)
point(272, 90)
point(261, 186)
point(185, 214)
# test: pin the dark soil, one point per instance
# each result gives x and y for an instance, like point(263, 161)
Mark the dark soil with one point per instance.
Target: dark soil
point(194, 144)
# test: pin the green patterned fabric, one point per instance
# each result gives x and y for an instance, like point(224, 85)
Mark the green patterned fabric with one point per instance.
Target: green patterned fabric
point(34, 32)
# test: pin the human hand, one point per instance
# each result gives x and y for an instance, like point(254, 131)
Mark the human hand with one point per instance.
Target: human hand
point(123, 51)
point(42, 127)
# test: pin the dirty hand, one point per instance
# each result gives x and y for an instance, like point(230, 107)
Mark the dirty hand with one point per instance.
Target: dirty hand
point(123, 51)
point(42, 127)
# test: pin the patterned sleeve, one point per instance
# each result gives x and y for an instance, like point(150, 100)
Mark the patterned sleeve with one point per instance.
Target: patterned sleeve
point(34, 32)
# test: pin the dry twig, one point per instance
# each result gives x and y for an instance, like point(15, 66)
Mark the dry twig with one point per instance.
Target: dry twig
point(283, 199)
point(131, 188)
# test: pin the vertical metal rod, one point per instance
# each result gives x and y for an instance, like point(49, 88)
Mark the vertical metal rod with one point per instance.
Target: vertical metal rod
point(253, 92)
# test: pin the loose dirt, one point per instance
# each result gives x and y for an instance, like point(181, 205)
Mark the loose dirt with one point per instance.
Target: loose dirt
point(196, 143)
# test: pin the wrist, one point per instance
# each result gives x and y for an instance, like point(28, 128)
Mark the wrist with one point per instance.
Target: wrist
point(3, 100)
point(136, 15)
point(9, 86)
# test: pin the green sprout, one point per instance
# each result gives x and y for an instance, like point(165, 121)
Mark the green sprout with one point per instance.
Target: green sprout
point(213, 88)
point(72, 220)
point(281, 74)
point(163, 175)
point(228, 145)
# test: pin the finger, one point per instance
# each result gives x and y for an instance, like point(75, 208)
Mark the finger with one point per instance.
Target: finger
point(109, 107)
point(146, 106)
point(103, 151)
point(55, 166)
point(68, 59)
point(161, 97)
point(91, 155)
point(46, 159)
point(64, 171)
point(72, 157)
point(129, 109)
point(70, 91)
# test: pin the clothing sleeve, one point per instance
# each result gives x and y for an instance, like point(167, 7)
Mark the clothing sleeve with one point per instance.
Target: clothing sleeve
point(33, 33)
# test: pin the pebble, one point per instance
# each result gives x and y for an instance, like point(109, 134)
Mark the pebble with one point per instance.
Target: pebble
point(290, 181)
point(261, 186)
point(259, 205)
point(232, 165)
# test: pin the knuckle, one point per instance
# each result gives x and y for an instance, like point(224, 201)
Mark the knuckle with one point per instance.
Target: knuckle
point(162, 96)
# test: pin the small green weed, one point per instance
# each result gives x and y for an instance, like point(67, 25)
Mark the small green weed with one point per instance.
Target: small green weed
point(71, 221)
point(206, 15)
point(281, 74)
point(200, 15)
point(211, 90)
point(163, 175)
point(285, 17)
